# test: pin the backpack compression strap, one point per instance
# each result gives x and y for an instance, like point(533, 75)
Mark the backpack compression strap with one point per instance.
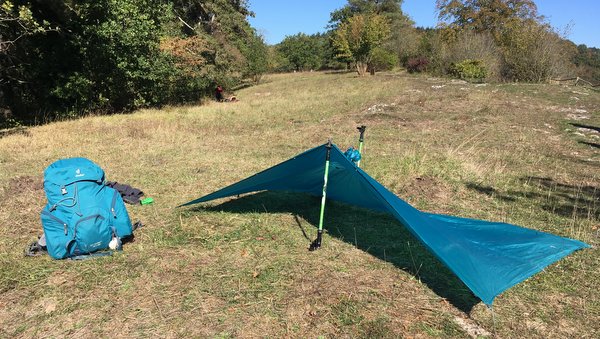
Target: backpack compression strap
point(73, 200)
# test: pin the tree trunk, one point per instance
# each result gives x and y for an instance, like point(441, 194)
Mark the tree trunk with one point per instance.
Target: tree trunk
point(361, 68)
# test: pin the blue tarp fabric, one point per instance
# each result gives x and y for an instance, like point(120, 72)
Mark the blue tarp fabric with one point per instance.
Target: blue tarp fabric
point(489, 257)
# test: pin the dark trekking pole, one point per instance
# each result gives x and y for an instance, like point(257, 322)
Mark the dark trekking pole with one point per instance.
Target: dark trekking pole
point(317, 242)
point(361, 139)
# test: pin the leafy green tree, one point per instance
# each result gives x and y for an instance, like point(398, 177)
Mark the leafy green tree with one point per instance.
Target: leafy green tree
point(121, 59)
point(229, 40)
point(101, 55)
point(257, 54)
point(402, 40)
point(587, 61)
point(382, 60)
point(113, 55)
point(323, 55)
point(328, 53)
point(364, 7)
point(359, 36)
point(491, 16)
point(302, 52)
point(17, 24)
point(276, 61)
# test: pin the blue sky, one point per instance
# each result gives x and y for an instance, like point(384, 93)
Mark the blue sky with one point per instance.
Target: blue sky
point(277, 18)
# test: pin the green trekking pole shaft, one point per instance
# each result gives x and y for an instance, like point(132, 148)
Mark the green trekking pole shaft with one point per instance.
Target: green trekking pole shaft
point(324, 197)
point(361, 140)
point(317, 243)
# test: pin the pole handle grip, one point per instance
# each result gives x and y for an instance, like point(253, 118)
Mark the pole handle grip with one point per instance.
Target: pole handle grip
point(361, 129)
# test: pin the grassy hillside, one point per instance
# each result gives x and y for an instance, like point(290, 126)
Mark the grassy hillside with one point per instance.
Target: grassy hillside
point(524, 154)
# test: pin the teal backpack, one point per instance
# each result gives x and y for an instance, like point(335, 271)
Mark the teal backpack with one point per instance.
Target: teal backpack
point(82, 215)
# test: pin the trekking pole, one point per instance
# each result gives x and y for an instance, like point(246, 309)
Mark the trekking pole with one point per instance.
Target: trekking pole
point(361, 139)
point(317, 242)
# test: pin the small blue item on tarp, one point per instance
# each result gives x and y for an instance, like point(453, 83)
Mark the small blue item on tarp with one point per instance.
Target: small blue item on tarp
point(352, 154)
point(489, 257)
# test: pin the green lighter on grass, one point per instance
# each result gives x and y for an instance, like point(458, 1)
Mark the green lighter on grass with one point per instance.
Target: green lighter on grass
point(146, 201)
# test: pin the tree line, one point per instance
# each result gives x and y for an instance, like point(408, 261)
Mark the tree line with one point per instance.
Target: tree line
point(491, 40)
point(71, 57)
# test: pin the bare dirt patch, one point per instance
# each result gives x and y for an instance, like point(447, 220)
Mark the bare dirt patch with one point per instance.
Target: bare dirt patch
point(22, 185)
point(25, 184)
point(425, 187)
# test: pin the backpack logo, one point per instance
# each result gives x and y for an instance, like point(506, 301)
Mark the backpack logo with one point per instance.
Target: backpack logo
point(78, 173)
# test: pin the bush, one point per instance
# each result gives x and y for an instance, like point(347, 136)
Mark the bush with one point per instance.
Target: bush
point(383, 60)
point(417, 65)
point(532, 52)
point(446, 53)
point(468, 70)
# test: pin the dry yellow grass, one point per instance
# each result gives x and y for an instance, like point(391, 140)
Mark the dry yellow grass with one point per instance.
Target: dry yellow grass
point(498, 152)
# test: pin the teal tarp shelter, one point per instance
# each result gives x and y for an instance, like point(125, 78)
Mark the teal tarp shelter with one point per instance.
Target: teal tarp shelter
point(489, 257)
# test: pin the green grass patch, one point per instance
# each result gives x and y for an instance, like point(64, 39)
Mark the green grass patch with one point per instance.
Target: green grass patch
point(240, 267)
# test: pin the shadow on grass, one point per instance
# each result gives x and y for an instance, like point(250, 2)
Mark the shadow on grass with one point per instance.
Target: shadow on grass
point(590, 144)
point(490, 191)
point(340, 71)
point(594, 128)
point(378, 234)
point(562, 199)
point(246, 84)
point(13, 131)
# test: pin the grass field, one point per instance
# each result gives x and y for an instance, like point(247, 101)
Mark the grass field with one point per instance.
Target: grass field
point(524, 154)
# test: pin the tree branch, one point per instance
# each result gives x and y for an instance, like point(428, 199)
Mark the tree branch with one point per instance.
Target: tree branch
point(185, 23)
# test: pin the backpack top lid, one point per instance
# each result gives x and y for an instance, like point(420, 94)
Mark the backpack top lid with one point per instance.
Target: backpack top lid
point(67, 171)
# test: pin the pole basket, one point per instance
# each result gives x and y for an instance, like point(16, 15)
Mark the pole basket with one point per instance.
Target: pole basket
point(316, 244)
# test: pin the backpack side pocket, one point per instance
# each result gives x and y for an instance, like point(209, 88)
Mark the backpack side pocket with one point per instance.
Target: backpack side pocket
point(56, 232)
point(118, 213)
